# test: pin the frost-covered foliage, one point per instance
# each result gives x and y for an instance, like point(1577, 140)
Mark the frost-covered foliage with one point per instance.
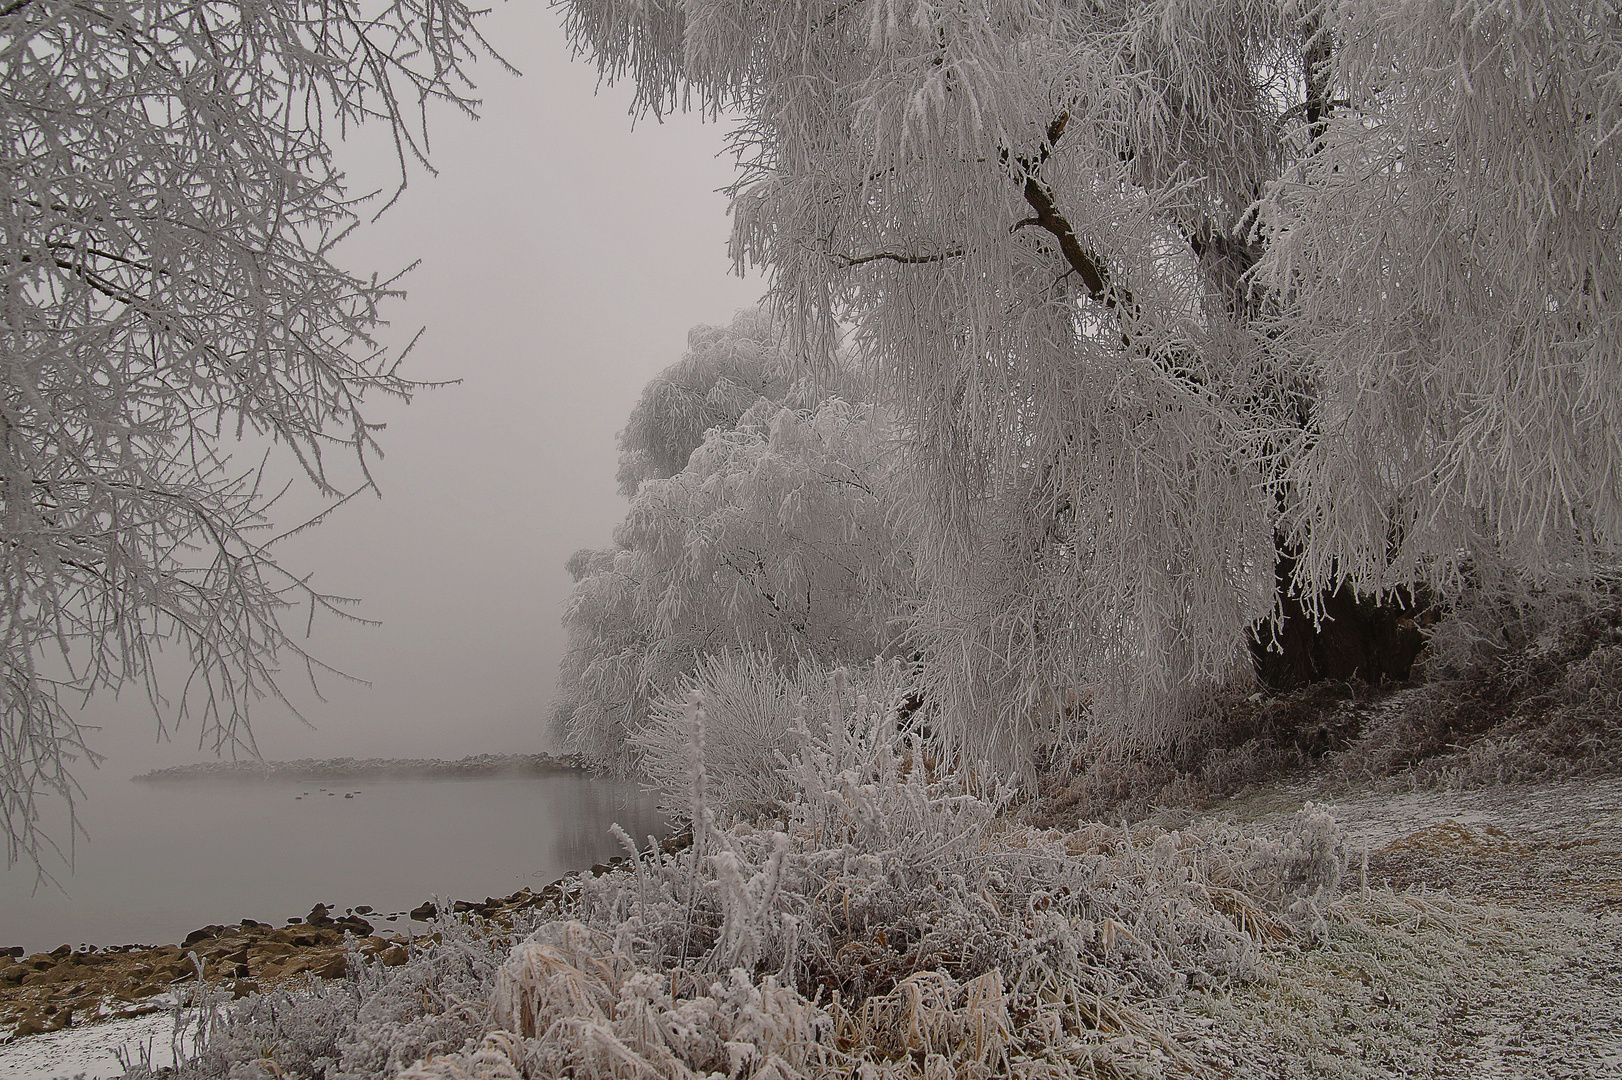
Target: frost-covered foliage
point(168, 219)
point(1154, 285)
point(367, 1026)
point(1448, 276)
point(724, 372)
point(890, 923)
point(774, 535)
point(755, 718)
point(1518, 689)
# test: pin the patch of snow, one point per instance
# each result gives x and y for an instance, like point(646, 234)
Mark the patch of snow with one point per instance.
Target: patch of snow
point(93, 1050)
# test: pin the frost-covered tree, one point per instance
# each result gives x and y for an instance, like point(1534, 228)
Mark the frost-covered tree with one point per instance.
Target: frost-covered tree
point(1201, 320)
point(773, 536)
point(168, 210)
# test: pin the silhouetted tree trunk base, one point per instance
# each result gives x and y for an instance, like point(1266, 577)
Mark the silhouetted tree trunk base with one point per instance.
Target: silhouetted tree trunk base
point(1357, 637)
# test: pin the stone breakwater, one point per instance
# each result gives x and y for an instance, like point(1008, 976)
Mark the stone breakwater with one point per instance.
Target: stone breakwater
point(348, 768)
point(67, 986)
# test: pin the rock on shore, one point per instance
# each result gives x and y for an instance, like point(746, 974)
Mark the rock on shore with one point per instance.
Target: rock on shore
point(50, 991)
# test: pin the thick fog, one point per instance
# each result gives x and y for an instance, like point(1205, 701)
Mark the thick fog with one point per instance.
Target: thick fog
point(563, 258)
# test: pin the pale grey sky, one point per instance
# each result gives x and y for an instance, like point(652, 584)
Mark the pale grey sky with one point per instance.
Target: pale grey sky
point(564, 256)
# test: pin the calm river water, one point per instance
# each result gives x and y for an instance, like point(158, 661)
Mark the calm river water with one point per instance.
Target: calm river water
point(166, 858)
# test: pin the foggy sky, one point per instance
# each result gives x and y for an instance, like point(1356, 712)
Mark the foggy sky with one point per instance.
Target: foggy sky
point(564, 257)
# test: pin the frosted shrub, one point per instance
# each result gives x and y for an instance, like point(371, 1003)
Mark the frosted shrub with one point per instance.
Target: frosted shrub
point(751, 704)
point(890, 922)
point(760, 519)
point(1315, 853)
point(755, 717)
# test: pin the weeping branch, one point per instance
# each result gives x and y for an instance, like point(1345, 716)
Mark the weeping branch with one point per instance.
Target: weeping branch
point(1315, 57)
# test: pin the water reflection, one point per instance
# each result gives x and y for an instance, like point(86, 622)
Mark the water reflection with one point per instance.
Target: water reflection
point(165, 859)
point(578, 839)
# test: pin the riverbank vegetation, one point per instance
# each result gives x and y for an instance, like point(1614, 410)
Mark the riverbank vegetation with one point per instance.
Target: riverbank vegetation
point(1142, 389)
point(891, 914)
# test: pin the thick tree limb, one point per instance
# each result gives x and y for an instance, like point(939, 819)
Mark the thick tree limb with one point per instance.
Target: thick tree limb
point(1084, 263)
point(890, 256)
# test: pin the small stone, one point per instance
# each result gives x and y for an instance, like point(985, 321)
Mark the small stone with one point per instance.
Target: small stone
point(356, 925)
point(424, 911)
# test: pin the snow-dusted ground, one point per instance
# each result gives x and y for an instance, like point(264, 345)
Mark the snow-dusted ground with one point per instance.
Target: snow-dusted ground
point(1496, 952)
point(93, 1050)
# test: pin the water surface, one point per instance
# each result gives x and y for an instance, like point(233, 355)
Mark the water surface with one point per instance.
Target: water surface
point(166, 858)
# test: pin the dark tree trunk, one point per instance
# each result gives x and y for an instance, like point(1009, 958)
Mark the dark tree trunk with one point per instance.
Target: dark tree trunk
point(1357, 637)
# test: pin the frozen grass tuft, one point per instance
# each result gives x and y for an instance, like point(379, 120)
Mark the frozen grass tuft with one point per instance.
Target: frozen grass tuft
point(371, 1024)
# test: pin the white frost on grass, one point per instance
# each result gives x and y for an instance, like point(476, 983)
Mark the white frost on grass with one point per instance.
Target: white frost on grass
point(1410, 985)
point(892, 923)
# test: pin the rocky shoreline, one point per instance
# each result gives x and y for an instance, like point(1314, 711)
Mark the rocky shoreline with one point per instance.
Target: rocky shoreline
point(68, 987)
point(348, 768)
